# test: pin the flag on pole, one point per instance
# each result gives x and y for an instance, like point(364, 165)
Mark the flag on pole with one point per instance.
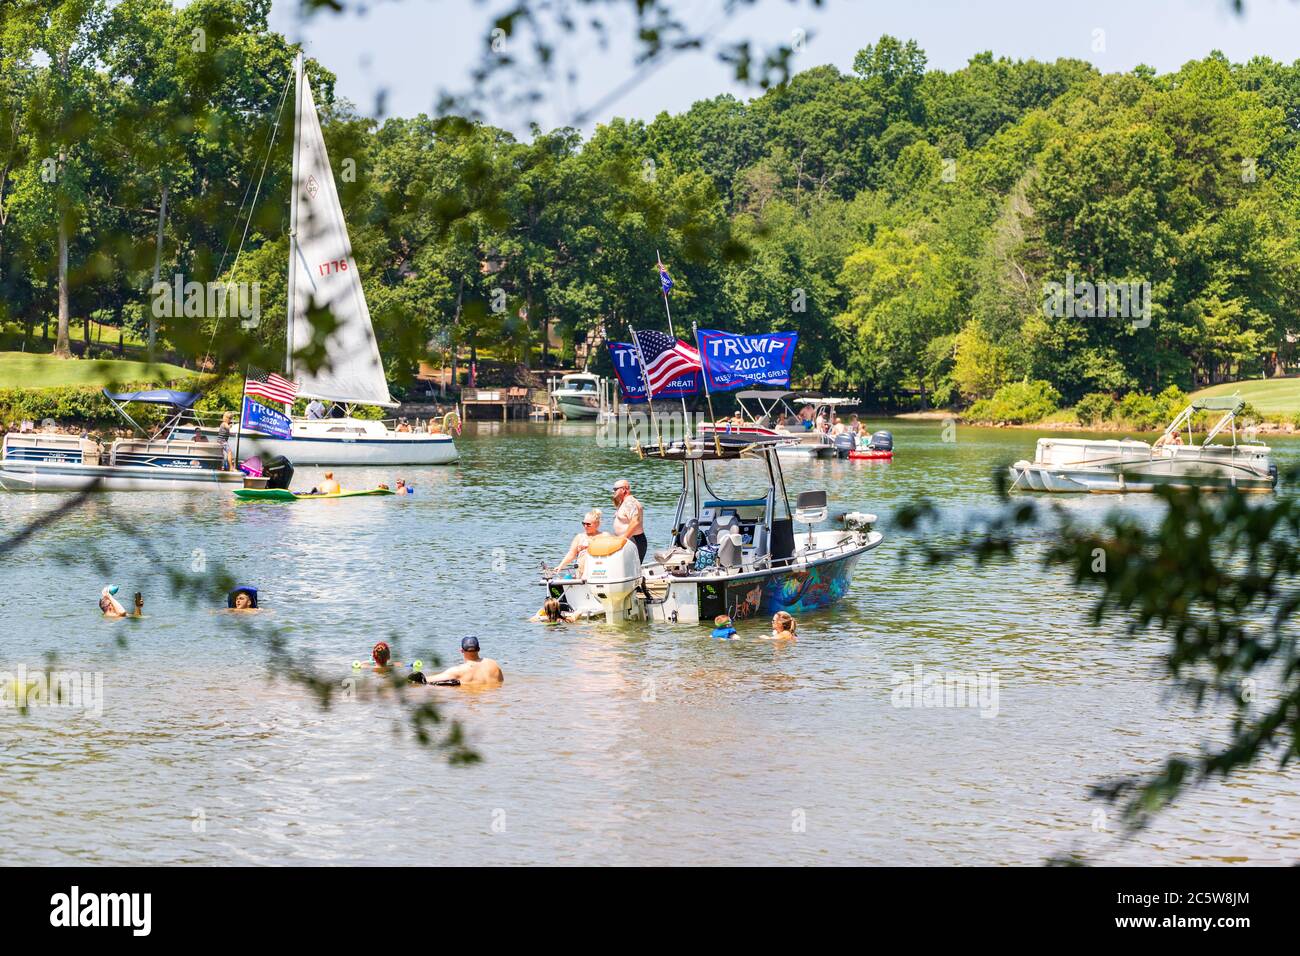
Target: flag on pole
point(274, 387)
point(665, 280)
point(666, 359)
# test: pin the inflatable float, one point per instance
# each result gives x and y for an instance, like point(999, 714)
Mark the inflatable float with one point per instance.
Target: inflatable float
point(281, 494)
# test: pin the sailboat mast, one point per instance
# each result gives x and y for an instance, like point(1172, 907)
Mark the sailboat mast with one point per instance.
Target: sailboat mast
point(293, 213)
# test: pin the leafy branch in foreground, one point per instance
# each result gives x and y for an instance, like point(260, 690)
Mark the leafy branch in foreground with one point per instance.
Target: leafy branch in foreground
point(1215, 576)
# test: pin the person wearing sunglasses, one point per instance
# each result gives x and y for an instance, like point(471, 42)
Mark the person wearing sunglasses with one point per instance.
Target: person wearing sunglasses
point(629, 519)
point(578, 546)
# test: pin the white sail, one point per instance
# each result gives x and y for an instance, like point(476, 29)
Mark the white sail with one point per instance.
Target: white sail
point(323, 275)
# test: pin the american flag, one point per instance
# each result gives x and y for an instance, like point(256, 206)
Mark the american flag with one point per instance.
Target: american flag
point(665, 359)
point(269, 385)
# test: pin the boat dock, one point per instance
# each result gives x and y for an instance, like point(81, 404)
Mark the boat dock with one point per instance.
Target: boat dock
point(513, 402)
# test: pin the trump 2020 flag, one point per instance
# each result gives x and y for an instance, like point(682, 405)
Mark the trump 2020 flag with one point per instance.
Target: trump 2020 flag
point(631, 381)
point(733, 361)
point(665, 280)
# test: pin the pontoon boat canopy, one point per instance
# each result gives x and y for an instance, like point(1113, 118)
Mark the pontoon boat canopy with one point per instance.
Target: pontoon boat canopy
point(156, 396)
point(1227, 403)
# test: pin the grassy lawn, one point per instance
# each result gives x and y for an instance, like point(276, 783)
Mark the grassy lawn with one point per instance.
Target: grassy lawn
point(1272, 396)
point(27, 370)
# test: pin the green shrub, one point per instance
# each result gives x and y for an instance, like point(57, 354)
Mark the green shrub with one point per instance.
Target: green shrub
point(1140, 412)
point(1094, 408)
point(1017, 404)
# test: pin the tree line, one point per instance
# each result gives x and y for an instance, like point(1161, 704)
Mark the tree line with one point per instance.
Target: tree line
point(906, 221)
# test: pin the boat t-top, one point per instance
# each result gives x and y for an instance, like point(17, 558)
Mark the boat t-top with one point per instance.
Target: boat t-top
point(742, 553)
point(1089, 465)
point(769, 414)
point(37, 461)
point(578, 396)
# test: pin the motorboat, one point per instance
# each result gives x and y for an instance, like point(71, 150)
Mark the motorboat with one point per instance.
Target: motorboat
point(578, 396)
point(879, 447)
point(37, 461)
point(768, 415)
point(743, 555)
point(323, 275)
point(1088, 465)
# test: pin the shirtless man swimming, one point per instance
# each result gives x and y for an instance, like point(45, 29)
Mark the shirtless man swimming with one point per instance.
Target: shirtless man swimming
point(474, 672)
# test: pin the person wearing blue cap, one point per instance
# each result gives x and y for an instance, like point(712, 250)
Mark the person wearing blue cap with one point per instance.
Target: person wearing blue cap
point(474, 671)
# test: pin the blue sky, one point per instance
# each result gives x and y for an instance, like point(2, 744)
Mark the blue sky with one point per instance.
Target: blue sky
point(415, 49)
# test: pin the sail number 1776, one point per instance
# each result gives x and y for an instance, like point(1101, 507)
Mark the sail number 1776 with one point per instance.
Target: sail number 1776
point(334, 265)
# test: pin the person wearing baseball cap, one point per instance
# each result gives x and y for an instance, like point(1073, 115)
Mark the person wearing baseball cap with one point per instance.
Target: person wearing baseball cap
point(474, 671)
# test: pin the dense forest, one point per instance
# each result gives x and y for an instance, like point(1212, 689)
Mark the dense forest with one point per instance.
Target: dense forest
point(905, 221)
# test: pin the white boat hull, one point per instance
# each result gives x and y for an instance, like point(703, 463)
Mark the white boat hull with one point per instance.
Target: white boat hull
point(50, 476)
point(577, 407)
point(1116, 467)
point(364, 442)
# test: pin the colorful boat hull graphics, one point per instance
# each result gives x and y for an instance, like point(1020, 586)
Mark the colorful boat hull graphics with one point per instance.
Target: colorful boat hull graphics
point(798, 591)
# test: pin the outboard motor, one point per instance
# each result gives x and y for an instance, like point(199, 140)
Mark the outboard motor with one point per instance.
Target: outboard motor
point(843, 445)
point(278, 472)
point(614, 576)
point(881, 441)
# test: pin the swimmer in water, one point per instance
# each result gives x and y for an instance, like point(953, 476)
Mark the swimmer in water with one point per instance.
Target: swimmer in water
point(242, 600)
point(783, 627)
point(723, 629)
point(329, 486)
point(474, 672)
point(110, 605)
point(382, 655)
point(139, 605)
point(552, 613)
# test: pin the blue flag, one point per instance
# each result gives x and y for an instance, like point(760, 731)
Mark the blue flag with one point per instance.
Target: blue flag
point(631, 381)
point(268, 421)
point(665, 280)
point(733, 361)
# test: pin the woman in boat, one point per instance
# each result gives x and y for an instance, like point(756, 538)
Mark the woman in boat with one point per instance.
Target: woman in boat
point(578, 546)
point(783, 626)
point(223, 438)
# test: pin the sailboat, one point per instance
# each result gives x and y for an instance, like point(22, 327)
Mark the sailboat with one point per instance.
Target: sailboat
point(323, 275)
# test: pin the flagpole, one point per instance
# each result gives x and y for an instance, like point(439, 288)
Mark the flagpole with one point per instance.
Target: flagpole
point(660, 263)
point(708, 396)
point(645, 380)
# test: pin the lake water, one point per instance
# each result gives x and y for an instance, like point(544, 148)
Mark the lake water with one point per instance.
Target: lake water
point(633, 745)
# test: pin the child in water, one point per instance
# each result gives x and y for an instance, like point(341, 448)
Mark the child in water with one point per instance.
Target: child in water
point(552, 613)
point(723, 629)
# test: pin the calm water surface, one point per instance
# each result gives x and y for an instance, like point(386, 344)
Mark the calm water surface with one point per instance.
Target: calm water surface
point(636, 745)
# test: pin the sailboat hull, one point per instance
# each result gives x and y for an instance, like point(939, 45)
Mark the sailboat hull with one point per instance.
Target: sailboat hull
point(347, 441)
point(396, 449)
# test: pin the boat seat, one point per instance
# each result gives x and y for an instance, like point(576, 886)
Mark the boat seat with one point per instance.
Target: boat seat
point(810, 507)
point(725, 525)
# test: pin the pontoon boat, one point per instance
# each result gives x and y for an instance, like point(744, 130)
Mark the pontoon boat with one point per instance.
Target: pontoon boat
point(1081, 464)
point(35, 461)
